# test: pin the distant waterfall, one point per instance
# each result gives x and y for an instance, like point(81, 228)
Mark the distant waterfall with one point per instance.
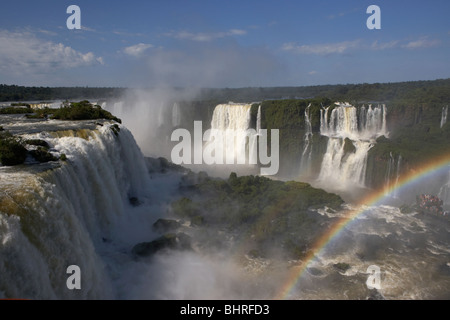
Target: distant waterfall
point(307, 147)
point(176, 115)
point(351, 135)
point(343, 122)
point(258, 120)
point(444, 116)
point(392, 175)
point(444, 192)
point(232, 123)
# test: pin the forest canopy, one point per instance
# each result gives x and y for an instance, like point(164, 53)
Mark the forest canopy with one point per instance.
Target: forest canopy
point(410, 92)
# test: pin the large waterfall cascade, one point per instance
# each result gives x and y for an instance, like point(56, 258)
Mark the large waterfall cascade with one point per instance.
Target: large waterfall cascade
point(233, 121)
point(345, 124)
point(67, 215)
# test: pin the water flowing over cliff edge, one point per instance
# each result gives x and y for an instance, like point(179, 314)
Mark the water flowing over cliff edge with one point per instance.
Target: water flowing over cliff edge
point(92, 209)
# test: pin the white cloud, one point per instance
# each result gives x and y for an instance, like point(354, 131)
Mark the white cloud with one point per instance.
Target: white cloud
point(322, 49)
point(137, 50)
point(346, 46)
point(88, 29)
point(422, 43)
point(24, 53)
point(313, 72)
point(203, 37)
point(384, 45)
point(128, 34)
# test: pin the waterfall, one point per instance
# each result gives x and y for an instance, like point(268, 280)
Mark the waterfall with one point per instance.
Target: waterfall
point(444, 116)
point(397, 177)
point(393, 175)
point(390, 166)
point(324, 120)
point(444, 192)
point(258, 120)
point(350, 137)
point(307, 147)
point(343, 122)
point(66, 215)
point(232, 123)
point(176, 115)
point(160, 114)
point(344, 170)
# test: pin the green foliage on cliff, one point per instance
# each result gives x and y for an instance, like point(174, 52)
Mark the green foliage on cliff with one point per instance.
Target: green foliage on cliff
point(258, 206)
point(21, 93)
point(83, 110)
point(15, 110)
point(415, 135)
point(12, 151)
point(288, 116)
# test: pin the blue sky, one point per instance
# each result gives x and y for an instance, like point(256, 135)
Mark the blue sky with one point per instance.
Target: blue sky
point(222, 43)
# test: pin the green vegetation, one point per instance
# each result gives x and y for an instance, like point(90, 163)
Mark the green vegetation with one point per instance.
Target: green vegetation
point(41, 154)
point(83, 110)
point(37, 142)
point(15, 110)
point(20, 104)
point(40, 113)
point(21, 93)
point(258, 206)
point(12, 151)
point(169, 241)
point(415, 135)
point(115, 128)
point(289, 117)
point(411, 92)
point(342, 266)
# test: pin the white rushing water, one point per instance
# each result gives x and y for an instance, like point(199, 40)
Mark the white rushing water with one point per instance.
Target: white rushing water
point(444, 116)
point(79, 213)
point(232, 122)
point(176, 115)
point(444, 192)
point(307, 148)
point(66, 215)
point(392, 175)
point(258, 120)
point(347, 125)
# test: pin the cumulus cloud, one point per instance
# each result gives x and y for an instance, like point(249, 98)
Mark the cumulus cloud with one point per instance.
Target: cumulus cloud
point(203, 36)
point(137, 50)
point(23, 52)
point(322, 49)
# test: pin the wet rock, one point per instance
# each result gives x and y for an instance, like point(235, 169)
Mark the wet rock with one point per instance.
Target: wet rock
point(165, 225)
point(169, 241)
point(315, 271)
point(342, 267)
point(374, 294)
point(134, 201)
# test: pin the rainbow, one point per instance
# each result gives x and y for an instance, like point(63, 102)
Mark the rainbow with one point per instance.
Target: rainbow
point(374, 198)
